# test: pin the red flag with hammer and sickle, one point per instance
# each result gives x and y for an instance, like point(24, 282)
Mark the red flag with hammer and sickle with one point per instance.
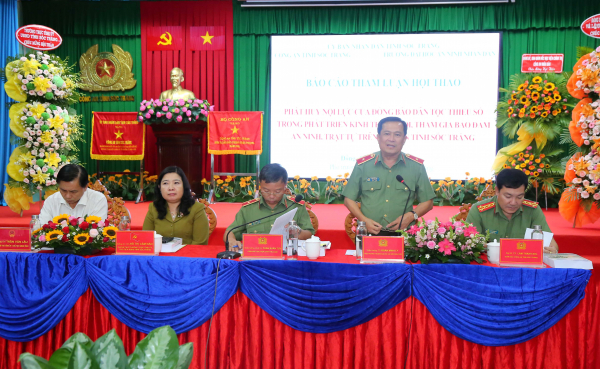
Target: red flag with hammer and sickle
point(164, 38)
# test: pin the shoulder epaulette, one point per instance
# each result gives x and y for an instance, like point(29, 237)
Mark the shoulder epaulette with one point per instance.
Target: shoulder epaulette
point(414, 158)
point(365, 159)
point(531, 204)
point(250, 202)
point(486, 206)
point(292, 199)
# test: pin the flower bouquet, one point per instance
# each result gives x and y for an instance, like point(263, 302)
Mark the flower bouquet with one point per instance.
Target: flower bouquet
point(71, 235)
point(169, 111)
point(46, 129)
point(580, 202)
point(432, 241)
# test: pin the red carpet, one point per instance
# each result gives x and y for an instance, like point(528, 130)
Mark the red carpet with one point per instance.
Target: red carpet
point(583, 241)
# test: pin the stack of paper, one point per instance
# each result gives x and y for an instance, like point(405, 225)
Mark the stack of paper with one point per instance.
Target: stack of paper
point(571, 261)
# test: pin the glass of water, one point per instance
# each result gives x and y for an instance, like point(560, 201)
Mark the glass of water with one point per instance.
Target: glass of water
point(125, 224)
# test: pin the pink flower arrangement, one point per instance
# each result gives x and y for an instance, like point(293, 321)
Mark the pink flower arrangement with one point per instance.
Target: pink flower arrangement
point(174, 111)
point(433, 241)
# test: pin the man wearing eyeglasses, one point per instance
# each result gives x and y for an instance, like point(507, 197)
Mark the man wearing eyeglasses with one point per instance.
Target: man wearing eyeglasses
point(273, 181)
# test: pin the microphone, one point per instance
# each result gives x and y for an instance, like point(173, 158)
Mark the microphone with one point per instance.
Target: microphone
point(227, 254)
point(401, 180)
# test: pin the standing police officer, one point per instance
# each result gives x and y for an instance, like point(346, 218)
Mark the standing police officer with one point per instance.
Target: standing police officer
point(382, 196)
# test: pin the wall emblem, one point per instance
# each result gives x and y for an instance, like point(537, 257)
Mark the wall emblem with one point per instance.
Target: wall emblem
point(106, 71)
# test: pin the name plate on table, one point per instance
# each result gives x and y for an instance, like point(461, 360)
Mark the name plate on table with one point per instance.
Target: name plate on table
point(379, 249)
point(522, 253)
point(262, 246)
point(135, 243)
point(15, 239)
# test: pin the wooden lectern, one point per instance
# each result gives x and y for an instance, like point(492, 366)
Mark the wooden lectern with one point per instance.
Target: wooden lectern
point(181, 144)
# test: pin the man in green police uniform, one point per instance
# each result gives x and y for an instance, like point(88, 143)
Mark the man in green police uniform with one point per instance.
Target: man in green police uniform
point(273, 181)
point(382, 196)
point(509, 214)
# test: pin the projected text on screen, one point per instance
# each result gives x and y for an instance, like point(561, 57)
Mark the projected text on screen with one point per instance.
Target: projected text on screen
point(329, 92)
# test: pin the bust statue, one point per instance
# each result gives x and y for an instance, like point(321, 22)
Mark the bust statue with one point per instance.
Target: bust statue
point(177, 92)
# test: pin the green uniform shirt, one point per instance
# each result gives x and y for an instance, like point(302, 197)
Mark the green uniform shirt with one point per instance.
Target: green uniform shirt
point(382, 197)
point(256, 209)
point(192, 228)
point(486, 215)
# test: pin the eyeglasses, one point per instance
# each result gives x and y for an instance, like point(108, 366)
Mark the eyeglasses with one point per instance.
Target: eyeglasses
point(269, 193)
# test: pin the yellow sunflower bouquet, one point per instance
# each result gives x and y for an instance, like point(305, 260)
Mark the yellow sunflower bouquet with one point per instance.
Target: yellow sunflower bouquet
point(72, 235)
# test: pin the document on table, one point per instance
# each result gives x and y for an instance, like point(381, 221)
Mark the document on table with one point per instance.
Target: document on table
point(547, 236)
point(281, 222)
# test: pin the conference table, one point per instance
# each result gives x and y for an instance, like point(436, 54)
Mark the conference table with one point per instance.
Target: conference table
point(328, 313)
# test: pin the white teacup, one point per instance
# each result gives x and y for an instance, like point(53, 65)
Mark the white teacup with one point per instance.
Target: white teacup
point(493, 252)
point(312, 247)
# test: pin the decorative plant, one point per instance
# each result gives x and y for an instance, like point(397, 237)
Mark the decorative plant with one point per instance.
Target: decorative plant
point(127, 186)
point(580, 200)
point(160, 349)
point(82, 235)
point(46, 129)
point(171, 111)
point(433, 241)
point(458, 192)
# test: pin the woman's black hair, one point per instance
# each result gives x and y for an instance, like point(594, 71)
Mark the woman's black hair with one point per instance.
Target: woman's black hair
point(187, 201)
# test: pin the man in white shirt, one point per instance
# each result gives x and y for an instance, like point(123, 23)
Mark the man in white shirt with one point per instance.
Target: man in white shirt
point(74, 197)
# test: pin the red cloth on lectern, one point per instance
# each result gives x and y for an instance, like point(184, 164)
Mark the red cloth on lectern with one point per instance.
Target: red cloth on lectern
point(207, 73)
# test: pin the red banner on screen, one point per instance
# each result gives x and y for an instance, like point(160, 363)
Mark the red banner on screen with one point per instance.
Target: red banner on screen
point(207, 38)
point(235, 132)
point(117, 136)
point(164, 38)
point(542, 63)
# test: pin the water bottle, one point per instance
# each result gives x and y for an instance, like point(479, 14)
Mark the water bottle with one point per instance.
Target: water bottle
point(537, 233)
point(34, 225)
point(361, 230)
point(125, 224)
point(292, 247)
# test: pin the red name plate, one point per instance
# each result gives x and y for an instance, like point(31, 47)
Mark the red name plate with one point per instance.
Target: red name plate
point(375, 247)
point(262, 246)
point(135, 243)
point(15, 239)
point(526, 252)
point(542, 63)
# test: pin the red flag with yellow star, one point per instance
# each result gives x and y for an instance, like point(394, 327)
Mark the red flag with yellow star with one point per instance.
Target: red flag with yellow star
point(235, 132)
point(117, 136)
point(207, 38)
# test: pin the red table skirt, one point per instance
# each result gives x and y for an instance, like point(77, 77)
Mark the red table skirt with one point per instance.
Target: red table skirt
point(245, 336)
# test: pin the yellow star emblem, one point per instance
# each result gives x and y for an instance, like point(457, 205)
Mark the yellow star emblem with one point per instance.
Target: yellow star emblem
point(105, 69)
point(207, 38)
point(234, 129)
point(52, 159)
point(40, 177)
point(119, 134)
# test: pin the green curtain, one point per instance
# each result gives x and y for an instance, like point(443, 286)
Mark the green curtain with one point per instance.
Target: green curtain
point(528, 26)
point(82, 25)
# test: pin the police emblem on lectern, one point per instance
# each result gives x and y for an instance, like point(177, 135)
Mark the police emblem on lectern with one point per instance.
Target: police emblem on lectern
point(106, 71)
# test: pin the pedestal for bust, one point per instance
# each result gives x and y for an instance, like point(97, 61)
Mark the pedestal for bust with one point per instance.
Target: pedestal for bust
point(181, 144)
